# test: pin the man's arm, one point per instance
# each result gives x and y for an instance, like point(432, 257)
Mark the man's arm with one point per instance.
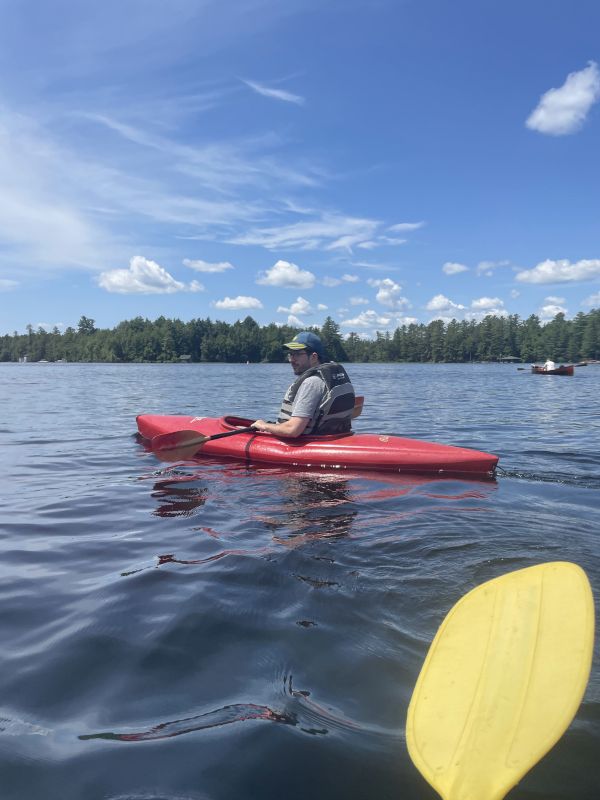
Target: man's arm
point(291, 427)
point(305, 407)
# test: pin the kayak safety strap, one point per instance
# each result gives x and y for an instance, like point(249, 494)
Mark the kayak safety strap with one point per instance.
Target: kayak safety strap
point(247, 446)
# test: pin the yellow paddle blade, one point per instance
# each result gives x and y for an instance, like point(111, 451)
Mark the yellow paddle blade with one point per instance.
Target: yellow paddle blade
point(502, 681)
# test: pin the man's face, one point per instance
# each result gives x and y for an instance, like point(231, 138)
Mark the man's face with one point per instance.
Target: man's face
point(300, 360)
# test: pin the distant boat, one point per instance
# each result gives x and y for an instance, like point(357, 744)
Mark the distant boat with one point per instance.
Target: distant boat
point(582, 364)
point(564, 369)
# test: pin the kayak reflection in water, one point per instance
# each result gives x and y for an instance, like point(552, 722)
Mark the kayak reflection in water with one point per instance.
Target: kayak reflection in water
point(320, 400)
point(312, 508)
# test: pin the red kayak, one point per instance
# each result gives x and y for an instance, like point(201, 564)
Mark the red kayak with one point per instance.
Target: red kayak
point(359, 451)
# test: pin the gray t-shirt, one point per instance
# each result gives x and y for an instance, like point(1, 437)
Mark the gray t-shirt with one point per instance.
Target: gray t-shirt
point(309, 397)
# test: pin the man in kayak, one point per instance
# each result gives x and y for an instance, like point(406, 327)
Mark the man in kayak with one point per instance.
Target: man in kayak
point(549, 365)
point(320, 400)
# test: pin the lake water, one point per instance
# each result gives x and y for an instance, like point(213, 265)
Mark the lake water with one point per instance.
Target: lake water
point(207, 631)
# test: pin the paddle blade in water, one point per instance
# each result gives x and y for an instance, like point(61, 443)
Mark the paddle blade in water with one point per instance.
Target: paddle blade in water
point(177, 446)
point(502, 680)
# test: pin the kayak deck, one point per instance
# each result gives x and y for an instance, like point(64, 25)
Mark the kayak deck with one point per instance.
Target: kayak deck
point(362, 451)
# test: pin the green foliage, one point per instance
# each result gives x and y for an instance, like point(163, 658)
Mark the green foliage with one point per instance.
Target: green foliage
point(171, 340)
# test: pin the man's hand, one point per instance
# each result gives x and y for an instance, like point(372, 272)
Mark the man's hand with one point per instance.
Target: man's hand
point(292, 427)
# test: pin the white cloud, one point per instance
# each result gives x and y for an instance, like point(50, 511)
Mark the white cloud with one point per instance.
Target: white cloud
point(514, 293)
point(404, 320)
point(370, 245)
point(321, 307)
point(563, 111)
point(549, 310)
point(592, 300)
point(359, 301)
point(389, 293)
point(350, 278)
point(144, 277)
point(205, 266)
point(7, 285)
point(402, 227)
point(561, 271)
point(441, 303)
point(277, 94)
point(237, 303)
point(287, 275)
point(453, 268)
point(557, 300)
point(483, 303)
point(367, 319)
point(301, 306)
point(294, 321)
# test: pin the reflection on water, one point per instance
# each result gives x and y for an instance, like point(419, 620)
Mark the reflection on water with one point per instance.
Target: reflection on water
point(310, 508)
point(308, 716)
point(177, 501)
point(240, 712)
point(299, 506)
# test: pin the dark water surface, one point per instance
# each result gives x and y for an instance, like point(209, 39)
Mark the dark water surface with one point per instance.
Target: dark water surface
point(206, 631)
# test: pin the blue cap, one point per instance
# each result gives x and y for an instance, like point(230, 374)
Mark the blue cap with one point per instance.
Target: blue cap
point(306, 341)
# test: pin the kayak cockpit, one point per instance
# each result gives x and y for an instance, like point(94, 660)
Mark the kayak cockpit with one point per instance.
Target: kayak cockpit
point(230, 422)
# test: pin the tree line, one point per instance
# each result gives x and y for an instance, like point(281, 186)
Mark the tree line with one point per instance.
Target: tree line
point(171, 340)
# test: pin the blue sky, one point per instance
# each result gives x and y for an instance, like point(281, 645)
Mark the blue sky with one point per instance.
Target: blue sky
point(381, 162)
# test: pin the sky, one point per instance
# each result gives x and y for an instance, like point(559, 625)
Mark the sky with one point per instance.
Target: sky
point(381, 162)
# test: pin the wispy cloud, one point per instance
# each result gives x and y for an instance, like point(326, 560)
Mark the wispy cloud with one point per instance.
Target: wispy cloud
point(49, 326)
point(7, 285)
point(564, 110)
point(487, 268)
point(346, 278)
point(330, 232)
point(405, 227)
point(561, 271)
point(593, 300)
point(453, 268)
point(144, 277)
point(276, 94)
point(205, 266)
